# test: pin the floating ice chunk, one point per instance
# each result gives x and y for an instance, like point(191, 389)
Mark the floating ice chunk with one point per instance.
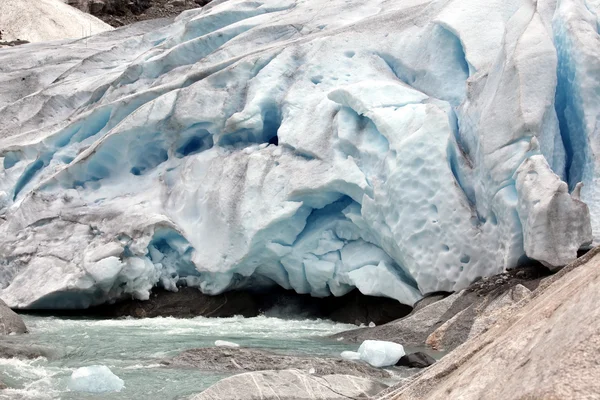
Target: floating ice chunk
point(95, 379)
point(350, 355)
point(224, 343)
point(380, 353)
point(372, 324)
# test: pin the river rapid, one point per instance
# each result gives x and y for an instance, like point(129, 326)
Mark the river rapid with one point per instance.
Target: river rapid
point(133, 348)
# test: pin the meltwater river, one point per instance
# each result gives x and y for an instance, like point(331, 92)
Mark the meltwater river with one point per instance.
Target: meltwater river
point(132, 349)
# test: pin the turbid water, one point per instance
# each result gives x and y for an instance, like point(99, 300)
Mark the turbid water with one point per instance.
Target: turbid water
point(132, 350)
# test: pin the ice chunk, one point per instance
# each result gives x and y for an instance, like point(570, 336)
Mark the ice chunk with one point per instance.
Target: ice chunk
point(380, 353)
point(224, 343)
point(95, 379)
point(350, 355)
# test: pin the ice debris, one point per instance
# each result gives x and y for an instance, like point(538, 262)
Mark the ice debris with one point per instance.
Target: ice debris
point(380, 353)
point(95, 379)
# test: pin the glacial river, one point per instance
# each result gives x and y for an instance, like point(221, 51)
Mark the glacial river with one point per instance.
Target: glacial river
point(132, 350)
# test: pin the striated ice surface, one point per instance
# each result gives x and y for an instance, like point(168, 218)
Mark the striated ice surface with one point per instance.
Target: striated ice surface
point(95, 379)
point(397, 147)
point(380, 353)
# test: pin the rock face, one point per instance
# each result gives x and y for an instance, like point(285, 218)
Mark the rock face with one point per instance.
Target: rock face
point(10, 322)
point(547, 347)
point(120, 12)
point(318, 146)
point(185, 303)
point(448, 322)
point(44, 20)
point(291, 385)
point(243, 359)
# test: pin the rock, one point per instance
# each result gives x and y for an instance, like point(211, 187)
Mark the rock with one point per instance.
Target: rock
point(547, 347)
point(220, 359)
point(448, 322)
point(290, 385)
point(185, 303)
point(475, 319)
point(10, 322)
point(96, 6)
point(10, 348)
point(177, 3)
point(3, 386)
point(380, 353)
point(416, 360)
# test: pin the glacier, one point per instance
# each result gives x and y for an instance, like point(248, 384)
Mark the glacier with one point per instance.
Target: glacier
point(397, 147)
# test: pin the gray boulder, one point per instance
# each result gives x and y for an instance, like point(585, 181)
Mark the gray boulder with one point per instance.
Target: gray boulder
point(14, 349)
point(243, 359)
point(291, 385)
point(10, 322)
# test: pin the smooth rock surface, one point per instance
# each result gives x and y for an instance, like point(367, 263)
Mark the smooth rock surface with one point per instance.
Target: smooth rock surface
point(547, 347)
point(290, 385)
point(10, 322)
point(11, 348)
point(318, 146)
point(244, 359)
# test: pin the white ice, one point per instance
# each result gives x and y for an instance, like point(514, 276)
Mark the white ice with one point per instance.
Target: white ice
point(95, 379)
point(350, 355)
point(397, 147)
point(225, 343)
point(380, 353)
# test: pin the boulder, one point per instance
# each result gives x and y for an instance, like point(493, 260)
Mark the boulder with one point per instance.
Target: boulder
point(222, 359)
point(13, 349)
point(547, 347)
point(291, 385)
point(10, 322)
point(416, 360)
point(3, 386)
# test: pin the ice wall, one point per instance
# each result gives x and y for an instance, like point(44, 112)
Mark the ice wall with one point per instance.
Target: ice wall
point(399, 147)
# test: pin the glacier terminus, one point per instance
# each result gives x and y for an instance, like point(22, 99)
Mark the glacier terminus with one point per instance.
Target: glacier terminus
point(400, 147)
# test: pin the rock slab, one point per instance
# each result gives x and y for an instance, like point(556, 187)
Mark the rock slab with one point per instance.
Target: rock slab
point(548, 348)
point(243, 359)
point(290, 385)
point(10, 322)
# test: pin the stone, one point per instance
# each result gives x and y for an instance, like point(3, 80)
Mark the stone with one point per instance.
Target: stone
point(96, 6)
point(177, 3)
point(10, 322)
point(11, 348)
point(224, 359)
point(291, 385)
point(545, 347)
point(185, 303)
point(3, 386)
point(416, 360)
